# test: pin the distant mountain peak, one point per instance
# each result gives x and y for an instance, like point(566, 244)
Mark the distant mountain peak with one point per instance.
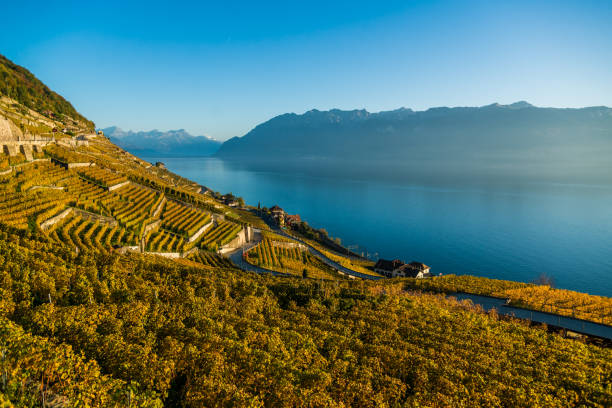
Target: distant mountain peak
point(172, 142)
point(515, 105)
point(521, 105)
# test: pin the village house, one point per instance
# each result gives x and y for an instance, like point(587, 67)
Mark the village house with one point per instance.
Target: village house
point(278, 215)
point(397, 268)
point(292, 219)
point(230, 200)
point(282, 218)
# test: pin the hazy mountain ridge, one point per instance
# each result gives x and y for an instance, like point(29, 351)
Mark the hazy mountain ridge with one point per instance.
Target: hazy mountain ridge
point(170, 143)
point(500, 136)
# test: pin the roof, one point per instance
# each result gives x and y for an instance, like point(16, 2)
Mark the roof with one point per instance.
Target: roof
point(387, 265)
point(276, 208)
point(418, 265)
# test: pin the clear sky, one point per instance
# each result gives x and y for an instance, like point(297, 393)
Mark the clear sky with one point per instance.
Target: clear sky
point(220, 68)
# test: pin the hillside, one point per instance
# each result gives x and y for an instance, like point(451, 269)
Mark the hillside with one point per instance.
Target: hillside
point(517, 139)
point(158, 143)
point(118, 288)
point(19, 84)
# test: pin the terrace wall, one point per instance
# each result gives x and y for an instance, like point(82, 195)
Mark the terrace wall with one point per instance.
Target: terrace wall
point(171, 255)
point(54, 220)
point(95, 217)
point(119, 185)
point(201, 231)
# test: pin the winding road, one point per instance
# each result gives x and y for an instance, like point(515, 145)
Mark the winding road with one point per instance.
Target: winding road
point(577, 325)
point(236, 257)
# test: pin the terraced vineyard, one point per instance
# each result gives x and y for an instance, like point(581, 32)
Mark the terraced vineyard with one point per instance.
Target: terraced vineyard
point(100, 176)
point(22, 209)
point(41, 175)
point(65, 155)
point(79, 232)
point(165, 241)
point(36, 192)
point(220, 235)
point(182, 219)
point(131, 205)
point(281, 256)
point(211, 259)
point(361, 266)
point(84, 194)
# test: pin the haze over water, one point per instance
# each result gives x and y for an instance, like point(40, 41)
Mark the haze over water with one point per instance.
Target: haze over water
point(507, 230)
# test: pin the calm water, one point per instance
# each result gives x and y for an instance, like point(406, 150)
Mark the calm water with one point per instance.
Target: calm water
point(509, 231)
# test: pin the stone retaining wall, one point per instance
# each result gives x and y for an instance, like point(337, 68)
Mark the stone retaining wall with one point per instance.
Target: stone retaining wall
point(54, 220)
point(172, 255)
point(189, 252)
point(200, 231)
point(160, 207)
point(95, 217)
point(75, 165)
point(288, 245)
point(234, 243)
point(27, 152)
point(151, 226)
point(125, 249)
point(119, 185)
point(46, 187)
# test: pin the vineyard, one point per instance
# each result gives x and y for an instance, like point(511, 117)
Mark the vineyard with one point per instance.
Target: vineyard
point(65, 155)
point(211, 259)
point(100, 176)
point(183, 220)
point(362, 266)
point(31, 363)
point(537, 297)
point(84, 194)
point(77, 232)
point(131, 205)
point(123, 330)
point(22, 209)
point(219, 235)
point(278, 256)
point(36, 192)
point(165, 241)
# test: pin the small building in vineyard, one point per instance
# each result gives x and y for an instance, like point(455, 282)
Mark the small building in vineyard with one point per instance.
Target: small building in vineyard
point(396, 268)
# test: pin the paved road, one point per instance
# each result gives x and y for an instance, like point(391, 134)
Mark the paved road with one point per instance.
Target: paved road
point(236, 257)
point(328, 261)
point(566, 322)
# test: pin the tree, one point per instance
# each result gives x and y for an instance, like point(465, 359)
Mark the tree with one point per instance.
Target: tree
point(544, 280)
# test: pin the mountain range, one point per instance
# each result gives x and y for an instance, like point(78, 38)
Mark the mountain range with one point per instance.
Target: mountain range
point(515, 138)
point(155, 142)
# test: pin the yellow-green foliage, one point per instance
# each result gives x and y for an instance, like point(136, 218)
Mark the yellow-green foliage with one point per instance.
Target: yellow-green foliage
point(361, 266)
point(20, 84)
point(217, 337)
point(279, 256)
point(536, 297)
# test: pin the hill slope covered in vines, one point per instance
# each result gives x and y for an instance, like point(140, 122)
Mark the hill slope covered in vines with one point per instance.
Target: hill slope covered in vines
point(94, 313)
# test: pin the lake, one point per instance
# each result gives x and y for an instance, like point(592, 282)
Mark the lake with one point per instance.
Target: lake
point(513, 231)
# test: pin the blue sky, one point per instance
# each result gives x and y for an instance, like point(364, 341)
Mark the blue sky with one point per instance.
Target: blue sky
point(221, 68)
